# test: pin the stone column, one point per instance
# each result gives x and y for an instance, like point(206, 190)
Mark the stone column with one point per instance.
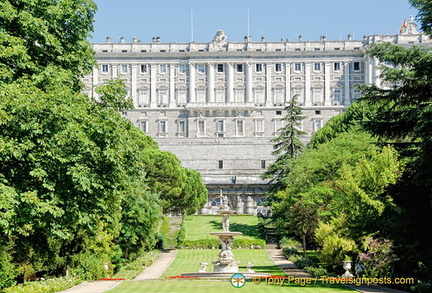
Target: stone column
point(210, 83)
point(268, 94)
point(171, 98)
point(239, 205)
point(230, 82)
point(192, 83)
point(249, 205)
point(153, 81)
point(307, 90)
point(347, 96)
point(327, 90)
point(134, 93)
point(249, 71)
point(287, 82)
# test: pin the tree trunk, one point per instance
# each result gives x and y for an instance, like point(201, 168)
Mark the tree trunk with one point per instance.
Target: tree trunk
point(304, 244)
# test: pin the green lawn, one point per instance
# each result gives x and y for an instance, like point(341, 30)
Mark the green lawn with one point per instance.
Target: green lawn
point(187, 261)
point(198, 227)
point(195, 286)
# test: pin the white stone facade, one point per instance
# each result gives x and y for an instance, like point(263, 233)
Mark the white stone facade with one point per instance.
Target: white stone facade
point(217, 105)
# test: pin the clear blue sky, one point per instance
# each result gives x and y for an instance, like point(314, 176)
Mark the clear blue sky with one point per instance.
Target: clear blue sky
point(274, 19)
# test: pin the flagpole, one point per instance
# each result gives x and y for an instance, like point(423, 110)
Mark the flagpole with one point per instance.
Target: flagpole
point(248, 24)
point(192, 28)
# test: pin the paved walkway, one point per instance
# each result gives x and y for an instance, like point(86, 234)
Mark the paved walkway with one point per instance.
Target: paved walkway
point(155, 270)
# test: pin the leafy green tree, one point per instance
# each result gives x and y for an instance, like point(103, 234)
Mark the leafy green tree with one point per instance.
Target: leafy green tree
point(39, 37)
point(287, 146)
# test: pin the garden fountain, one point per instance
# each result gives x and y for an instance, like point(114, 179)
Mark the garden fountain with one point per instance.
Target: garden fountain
point(225, 266)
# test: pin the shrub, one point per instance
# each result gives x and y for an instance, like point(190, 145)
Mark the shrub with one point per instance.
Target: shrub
point(288, 242)
point(181, 236)
point(201, 244)
point(317, 272)
point(8, 271)
point(249, 244)
point(378, 257)
point(44, 286)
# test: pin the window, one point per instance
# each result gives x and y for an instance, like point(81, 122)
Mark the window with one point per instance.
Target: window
point(263, 164)
point(356, 66)
point(356, 94)
point(259, 96)
point(318, 112)
point(317, 49)
point(259, 125)
point(201, 68)
point(162, 127)
point(181, 96)
point(278, 50)
point(220, 96)
point(163, 97)
point(220, 68)
point(163, 51)
point(182, 126)
point(317, 66)
point(201, 96)
point(239, 67)
point(297, 66)
point(278, 67)
point(278, 125)
point(258, 67)
point(182, 68)
point(317, 124)
point(162, 68)
point(124, 68)
point(143, 126)
point(220, 126)
point(239, 95)
point(278, 112)
point(143, 98)
point(337, 95)
point(143, 68)
point(105, 68)
point(240, 127)
point(336, 66)
point(297, 49)
point(201, 127)
point(220, 164)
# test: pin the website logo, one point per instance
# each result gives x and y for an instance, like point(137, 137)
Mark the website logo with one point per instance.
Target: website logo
point(238, 280)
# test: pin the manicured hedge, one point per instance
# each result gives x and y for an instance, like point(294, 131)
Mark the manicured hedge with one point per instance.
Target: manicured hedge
point(213, 244)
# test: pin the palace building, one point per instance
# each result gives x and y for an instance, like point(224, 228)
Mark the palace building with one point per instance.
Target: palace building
point(217, 105)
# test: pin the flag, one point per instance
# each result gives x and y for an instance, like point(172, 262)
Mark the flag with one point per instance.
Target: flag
point(404, 25)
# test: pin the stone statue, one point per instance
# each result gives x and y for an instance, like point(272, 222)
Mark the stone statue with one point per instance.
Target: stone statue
point(219, 40)
point(249, 268)
point(225, 223)
point(203, 267)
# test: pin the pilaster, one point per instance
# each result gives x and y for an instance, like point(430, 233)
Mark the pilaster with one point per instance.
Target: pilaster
point(230, 82)
point(171, 98)
point(210, 83)
point(192, 98)
point(307, 90)
point(327, 90)
point(153, 81)
point(249, 83)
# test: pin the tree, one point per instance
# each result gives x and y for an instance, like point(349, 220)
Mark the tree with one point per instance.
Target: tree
point(37, 37)
point(287, 146)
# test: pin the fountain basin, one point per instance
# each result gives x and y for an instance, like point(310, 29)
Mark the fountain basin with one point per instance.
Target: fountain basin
point(226, 234)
